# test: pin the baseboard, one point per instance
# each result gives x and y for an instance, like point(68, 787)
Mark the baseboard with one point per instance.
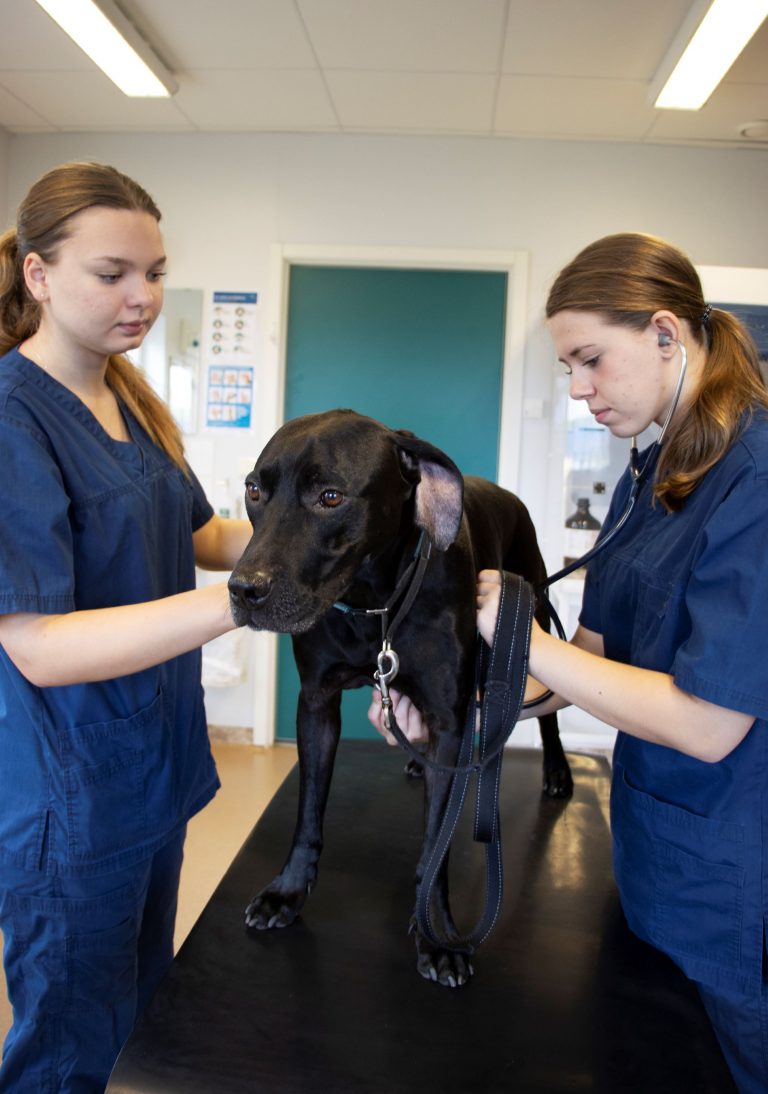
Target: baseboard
point(231, 735)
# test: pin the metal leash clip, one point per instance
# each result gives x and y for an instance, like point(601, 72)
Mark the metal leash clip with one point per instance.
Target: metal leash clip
point(384, 677)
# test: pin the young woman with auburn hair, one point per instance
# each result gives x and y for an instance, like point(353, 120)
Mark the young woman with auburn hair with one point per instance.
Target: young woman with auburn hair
point(672, 637)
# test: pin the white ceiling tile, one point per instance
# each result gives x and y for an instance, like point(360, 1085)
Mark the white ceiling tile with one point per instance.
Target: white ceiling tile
point(554, 107)
point(406, 35)
point(582, 68)
point(17, 115)
point(196, 34)
point(413, 102)
point(602, 39)
point(88, 100)
point(256, 100)
point(29, 37)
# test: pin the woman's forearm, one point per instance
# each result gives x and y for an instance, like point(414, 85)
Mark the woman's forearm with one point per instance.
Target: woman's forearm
point(641, 702)
point(86, 646)
point(220, 542)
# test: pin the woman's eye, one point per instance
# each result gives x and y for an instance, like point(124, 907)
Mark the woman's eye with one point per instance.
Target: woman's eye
point(109, 278)
point(331, 498)
point(591, 362)
point(252, 491)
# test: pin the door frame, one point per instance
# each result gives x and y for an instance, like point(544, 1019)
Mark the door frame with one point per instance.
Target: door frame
point(271, 380)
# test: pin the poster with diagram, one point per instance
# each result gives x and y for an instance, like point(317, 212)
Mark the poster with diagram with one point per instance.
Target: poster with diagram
point(231, 350)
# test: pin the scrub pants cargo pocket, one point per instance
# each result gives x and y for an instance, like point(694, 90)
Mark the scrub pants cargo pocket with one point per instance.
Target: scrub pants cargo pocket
point(82, 956)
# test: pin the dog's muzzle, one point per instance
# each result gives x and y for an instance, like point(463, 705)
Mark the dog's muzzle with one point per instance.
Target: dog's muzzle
point(265, 604)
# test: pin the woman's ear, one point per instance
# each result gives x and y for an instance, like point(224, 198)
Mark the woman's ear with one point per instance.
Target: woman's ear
point(666, 328)
point(36, 277)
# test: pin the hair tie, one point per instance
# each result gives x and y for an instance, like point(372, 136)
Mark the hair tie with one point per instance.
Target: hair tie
point(706, 315)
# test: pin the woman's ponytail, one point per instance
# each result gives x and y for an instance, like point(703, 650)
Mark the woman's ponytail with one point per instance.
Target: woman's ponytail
point(133, 389)
point(19, 314)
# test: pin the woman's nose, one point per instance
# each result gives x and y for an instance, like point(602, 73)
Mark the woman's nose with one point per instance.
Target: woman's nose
point(581, 386)
point(144, 293)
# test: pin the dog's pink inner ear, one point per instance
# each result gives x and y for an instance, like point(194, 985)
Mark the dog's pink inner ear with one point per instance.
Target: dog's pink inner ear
point(439, 501)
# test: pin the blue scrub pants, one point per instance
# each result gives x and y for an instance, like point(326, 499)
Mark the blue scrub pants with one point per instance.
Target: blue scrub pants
point(741, 1025)
point(82, 957)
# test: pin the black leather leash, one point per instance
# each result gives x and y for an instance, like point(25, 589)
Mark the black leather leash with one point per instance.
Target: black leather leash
point(501, 676)
point(500, 682)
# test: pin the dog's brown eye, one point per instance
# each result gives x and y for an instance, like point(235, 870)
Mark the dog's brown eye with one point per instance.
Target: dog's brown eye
point(252, 491)
point(331, 498)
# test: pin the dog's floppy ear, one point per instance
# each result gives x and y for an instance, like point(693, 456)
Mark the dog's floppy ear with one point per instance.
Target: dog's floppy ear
point(439, 487)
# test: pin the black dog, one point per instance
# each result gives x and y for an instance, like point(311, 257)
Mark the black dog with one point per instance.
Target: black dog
point(337, 502)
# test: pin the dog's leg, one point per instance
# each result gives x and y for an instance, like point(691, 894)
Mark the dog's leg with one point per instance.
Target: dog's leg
point(556, 778)
point(451, 968)
point(557, 781)
point(318, 727)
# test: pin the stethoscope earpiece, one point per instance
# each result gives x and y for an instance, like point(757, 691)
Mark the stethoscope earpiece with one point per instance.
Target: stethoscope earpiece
point(665, 339)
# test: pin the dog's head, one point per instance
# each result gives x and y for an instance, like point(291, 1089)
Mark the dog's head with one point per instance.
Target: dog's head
point(328, 495)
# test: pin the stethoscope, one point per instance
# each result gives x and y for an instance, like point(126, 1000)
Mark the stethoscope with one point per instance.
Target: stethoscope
point(639, 476)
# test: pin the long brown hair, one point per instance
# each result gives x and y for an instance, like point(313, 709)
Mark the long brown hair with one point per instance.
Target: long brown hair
point(628, 277)
point(44, 221)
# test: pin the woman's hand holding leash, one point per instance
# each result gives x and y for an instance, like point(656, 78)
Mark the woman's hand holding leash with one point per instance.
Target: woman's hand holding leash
point(488, 593)
point(408, 718)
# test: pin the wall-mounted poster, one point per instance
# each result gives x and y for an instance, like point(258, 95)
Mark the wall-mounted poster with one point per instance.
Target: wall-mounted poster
point(231, 345)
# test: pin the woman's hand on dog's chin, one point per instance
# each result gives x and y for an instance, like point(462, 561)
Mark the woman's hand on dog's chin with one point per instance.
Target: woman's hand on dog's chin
point(408, 717)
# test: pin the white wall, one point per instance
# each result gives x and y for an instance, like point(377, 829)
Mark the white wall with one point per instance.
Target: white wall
point(227, 198)
point(5, 144)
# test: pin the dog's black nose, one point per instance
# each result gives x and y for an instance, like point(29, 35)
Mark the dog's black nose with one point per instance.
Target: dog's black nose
point(253, 591)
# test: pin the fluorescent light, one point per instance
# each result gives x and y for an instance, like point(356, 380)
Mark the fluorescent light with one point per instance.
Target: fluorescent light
point(710, 41)
point(101, 30)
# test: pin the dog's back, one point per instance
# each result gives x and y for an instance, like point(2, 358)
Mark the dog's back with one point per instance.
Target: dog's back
point(501, 530)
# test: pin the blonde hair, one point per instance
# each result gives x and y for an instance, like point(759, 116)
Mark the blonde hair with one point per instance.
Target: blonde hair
point(43, 223)
point(628, 277)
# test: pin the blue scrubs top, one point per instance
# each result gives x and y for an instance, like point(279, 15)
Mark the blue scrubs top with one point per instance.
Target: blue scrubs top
point(95, 776)
point(686, 593)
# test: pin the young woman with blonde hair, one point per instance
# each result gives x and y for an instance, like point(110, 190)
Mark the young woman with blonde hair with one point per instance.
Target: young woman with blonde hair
point(103, 744)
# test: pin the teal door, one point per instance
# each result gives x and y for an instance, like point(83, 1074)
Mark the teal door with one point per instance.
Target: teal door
point(415, 349)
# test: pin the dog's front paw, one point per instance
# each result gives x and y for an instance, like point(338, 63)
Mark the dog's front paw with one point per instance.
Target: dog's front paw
point(274, 907)
point(451, 968)
point(557, 781)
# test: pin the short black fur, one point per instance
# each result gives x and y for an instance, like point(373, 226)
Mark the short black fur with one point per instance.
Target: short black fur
point(337, 502)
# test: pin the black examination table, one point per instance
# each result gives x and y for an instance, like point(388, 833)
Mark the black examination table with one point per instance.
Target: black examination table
point(564, 998)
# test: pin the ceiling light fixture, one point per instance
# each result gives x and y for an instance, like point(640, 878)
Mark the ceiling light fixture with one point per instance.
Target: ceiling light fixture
point(709, 41)
point(101, 30)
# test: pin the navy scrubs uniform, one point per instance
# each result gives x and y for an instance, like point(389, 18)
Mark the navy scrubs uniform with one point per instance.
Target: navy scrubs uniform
point(686, 593)
point(98, 780)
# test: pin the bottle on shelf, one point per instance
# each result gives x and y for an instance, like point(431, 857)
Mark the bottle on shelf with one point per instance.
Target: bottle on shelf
point(581, 529)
